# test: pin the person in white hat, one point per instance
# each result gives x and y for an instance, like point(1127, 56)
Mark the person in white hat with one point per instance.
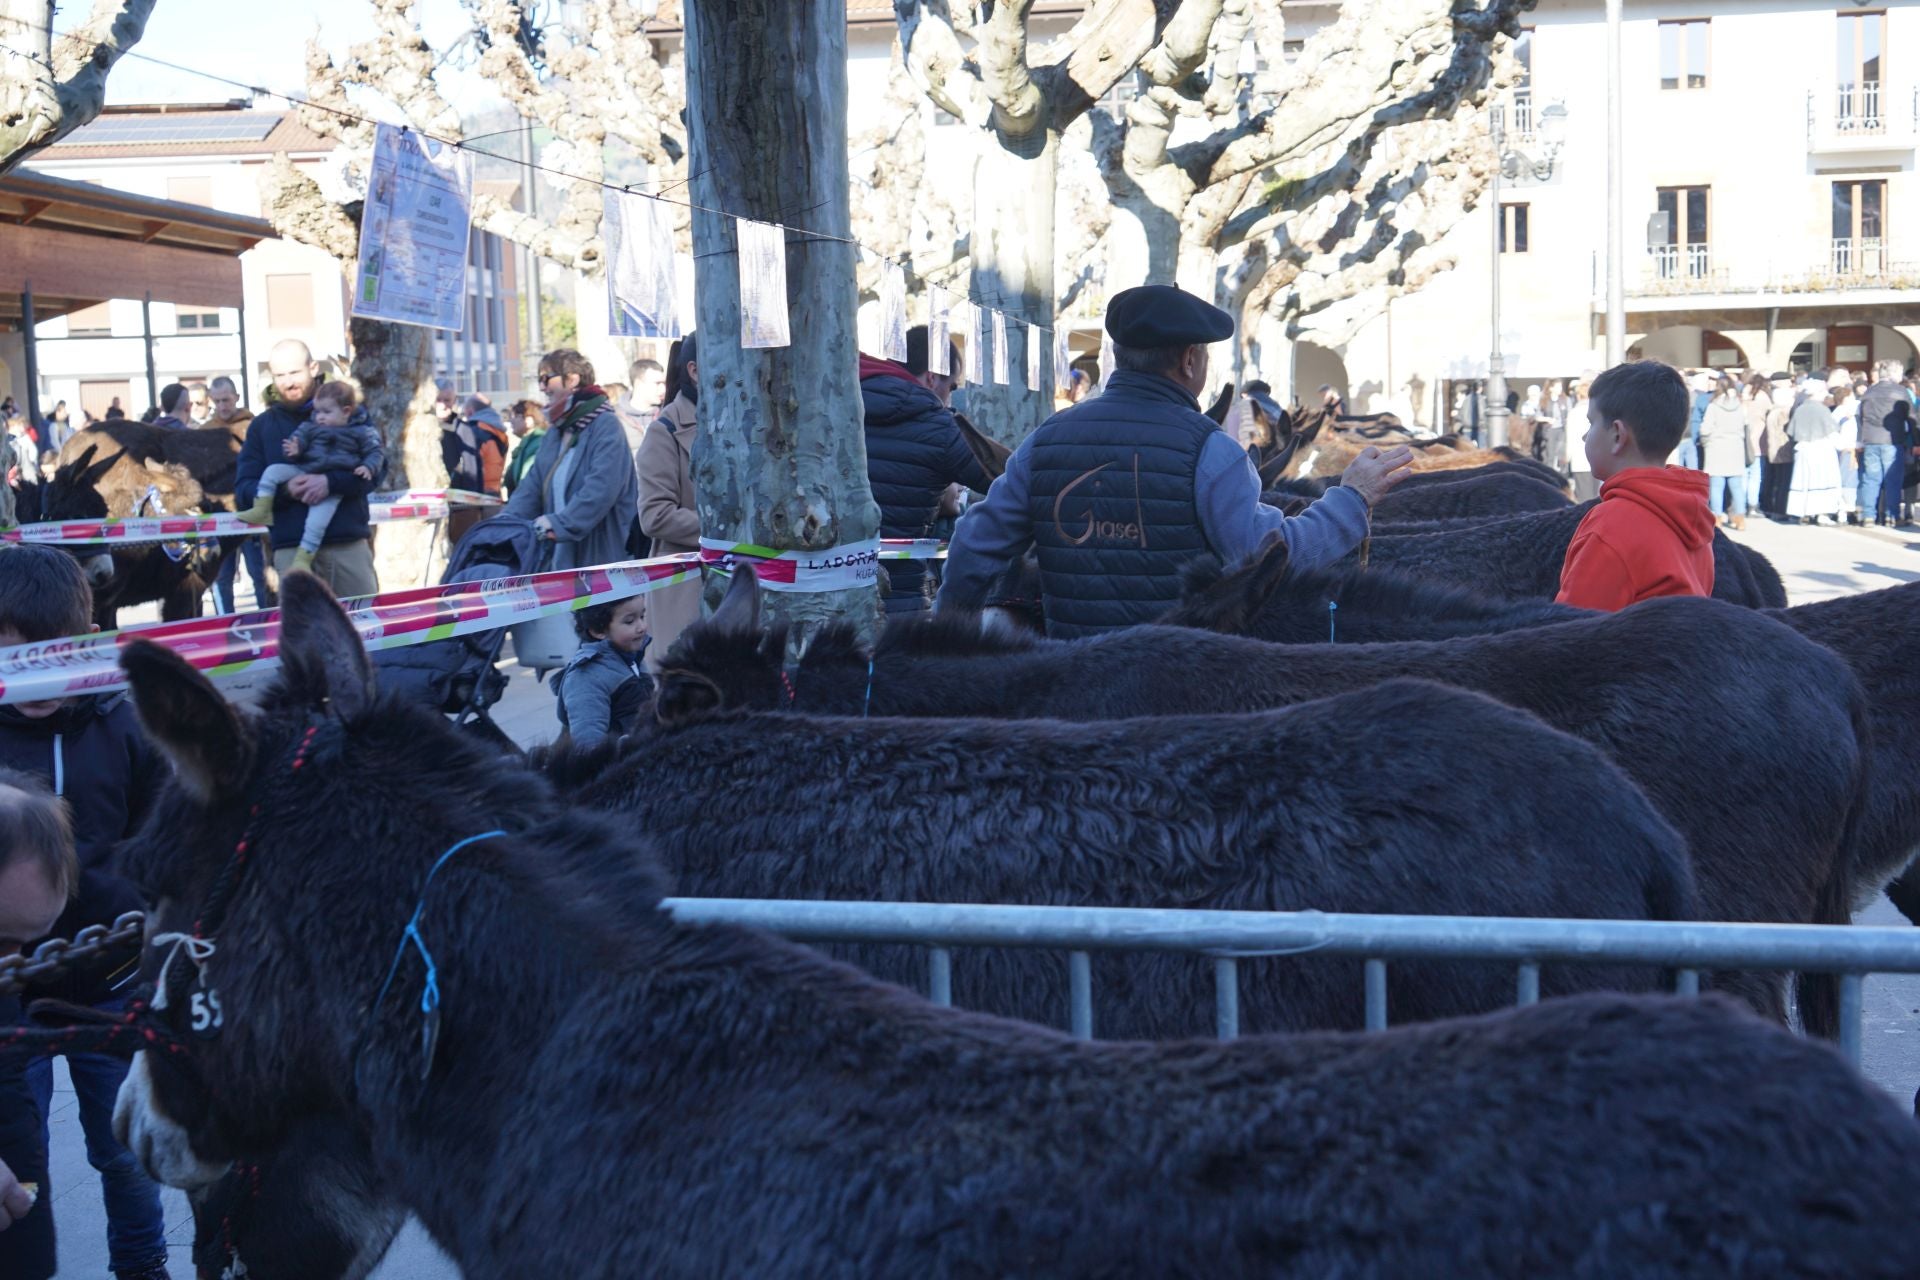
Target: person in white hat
point(1814, 490)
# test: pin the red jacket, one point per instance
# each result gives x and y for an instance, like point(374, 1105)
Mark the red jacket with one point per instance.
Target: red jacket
point(1651, 535)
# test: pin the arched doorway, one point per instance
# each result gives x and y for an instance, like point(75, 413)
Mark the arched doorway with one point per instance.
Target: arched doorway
point(1691, 347)
point(1315, 367)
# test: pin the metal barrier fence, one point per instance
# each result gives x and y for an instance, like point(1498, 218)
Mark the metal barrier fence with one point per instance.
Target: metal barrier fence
point(1226, 937)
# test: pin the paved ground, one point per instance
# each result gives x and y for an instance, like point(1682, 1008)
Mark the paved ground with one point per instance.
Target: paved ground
point(1817, 564)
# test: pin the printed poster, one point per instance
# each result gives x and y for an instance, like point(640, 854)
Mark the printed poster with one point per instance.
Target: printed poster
point(414, 228)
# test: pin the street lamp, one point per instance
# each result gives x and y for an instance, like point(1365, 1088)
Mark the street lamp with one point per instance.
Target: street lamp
point(1513, 163)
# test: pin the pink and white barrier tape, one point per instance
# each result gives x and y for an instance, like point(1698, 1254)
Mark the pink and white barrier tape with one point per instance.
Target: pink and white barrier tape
point(228, 644)
point(424, 505)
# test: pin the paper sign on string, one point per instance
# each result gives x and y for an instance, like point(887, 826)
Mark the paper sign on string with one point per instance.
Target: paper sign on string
point(1062, 358)
point(642, 284)
point(893, 311)
point(939, 341)
point(999, 348)
point(1033, 357)
point(414, 226)
point(763, 284)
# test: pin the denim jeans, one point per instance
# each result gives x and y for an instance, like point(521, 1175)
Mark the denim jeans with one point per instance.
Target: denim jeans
point(1890, 493)
point(1875, 460)
point(1722, 490)
point(1690, 454)
point(253, 551)
point(136, 1230)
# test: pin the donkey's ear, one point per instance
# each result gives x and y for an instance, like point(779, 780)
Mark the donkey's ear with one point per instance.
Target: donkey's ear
point(324, 657)
point(740, 608)
point(185, 715)
point(1269, 569)
point(681, 695)
point(988, 452)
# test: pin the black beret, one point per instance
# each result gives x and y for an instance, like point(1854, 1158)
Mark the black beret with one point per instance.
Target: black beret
point(1159, 315)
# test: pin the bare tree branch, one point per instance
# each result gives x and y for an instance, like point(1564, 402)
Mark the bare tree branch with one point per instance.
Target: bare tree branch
point(50, 86)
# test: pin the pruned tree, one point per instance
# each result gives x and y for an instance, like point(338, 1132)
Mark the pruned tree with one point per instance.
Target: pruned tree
point(1309, 195)
point(51, 84)
point(974, 60)
point(780, 460)
point(599, 83)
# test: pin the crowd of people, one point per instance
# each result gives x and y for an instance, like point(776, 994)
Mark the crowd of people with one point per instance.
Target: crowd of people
point(1822, 445)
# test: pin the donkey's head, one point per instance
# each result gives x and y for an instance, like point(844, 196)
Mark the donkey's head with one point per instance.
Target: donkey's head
point(282, 862)
point(1231, 601)
point(724, 662)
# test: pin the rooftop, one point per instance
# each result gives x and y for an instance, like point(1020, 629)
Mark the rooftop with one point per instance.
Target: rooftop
point(189, 129)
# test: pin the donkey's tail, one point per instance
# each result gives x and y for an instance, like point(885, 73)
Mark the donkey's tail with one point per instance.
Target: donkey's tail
point(1820, 992)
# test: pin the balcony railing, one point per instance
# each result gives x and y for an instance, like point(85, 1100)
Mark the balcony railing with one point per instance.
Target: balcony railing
point(1856, 108)
point(1863, 115)
point(1520, 123)
point(1860, 259)
point(1848, 264)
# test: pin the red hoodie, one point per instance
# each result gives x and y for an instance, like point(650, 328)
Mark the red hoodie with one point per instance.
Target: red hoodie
point(1651, 535)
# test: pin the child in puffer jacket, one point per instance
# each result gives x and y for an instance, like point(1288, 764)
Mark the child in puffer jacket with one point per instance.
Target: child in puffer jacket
point(604, 687)
point(335, 438)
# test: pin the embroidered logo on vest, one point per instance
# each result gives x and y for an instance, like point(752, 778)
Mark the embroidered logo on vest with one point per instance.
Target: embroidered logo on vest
point(1101, 532)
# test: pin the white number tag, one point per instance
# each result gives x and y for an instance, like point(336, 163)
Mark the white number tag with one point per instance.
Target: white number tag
point(204, 1013)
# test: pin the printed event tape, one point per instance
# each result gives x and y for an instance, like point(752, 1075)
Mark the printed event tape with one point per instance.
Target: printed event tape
point(418, 505)
point(228, 644)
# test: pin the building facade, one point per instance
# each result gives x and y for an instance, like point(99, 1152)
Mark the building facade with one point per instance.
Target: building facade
point(1772, 209)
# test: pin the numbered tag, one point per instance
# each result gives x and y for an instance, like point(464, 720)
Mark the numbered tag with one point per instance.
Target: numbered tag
point(204, 1016)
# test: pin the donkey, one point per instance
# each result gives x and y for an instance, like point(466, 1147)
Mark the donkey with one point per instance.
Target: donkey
point(1751, 700)
point(1498, 493)
point(1876, 632)
point(562, 1080)
point(1521, 556)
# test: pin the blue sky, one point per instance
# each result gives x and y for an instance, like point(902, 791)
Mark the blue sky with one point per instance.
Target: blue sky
point(257, 41)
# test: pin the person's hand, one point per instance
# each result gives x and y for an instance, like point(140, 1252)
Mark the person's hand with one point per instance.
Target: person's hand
point(543, 525)
point(13, 477)
point(364, 474)
point(1373, 474)
point(16, 1197)
point(309, 488)
point(290, 447)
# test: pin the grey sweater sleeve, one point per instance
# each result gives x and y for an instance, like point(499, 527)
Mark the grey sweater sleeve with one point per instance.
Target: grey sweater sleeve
point(1236, 522)
point(989, 537)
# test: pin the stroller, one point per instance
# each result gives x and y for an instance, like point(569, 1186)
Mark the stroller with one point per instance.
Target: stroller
point(456, 676)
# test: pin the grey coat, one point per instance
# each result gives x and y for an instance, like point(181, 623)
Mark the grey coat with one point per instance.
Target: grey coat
point(601, 692)
point(590, 525)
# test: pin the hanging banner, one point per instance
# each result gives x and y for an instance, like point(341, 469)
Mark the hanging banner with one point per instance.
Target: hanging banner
point(1033, 357)
point(939, 340)
point(642, 283)
point(1000, 348)
point(413, 232)
point(893, 312)
point(763, 284)
point(1062, 358)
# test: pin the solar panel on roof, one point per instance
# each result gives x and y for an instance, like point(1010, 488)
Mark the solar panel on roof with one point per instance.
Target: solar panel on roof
point(121, 131)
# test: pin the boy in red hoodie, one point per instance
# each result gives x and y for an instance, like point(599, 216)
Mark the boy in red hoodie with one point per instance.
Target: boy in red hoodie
point(1652, 534)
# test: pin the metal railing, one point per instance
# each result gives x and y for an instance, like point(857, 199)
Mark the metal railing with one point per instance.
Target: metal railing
point(1856, 108)
point(1860, 258)
point(1519, 125)
point(1226, 937)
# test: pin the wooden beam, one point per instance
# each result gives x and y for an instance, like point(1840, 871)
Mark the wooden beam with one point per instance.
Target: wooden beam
point(31, 209)
point(73, 264)
point(149, 230)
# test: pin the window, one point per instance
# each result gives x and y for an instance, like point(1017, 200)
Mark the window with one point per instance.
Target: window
point(195, 320)
point(95, 321)
point(1859, 226)
point(1290, 50)
point(290, 302)
point(1513, 228)
point(1114, 101)
point(1859, 71)
point(1679, 240)
point(1683, 54)
point(191, 191)
point(1523, 85)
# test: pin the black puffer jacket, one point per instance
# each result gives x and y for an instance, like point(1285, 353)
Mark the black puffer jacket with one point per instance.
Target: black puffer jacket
point(914, 451)
point(92, 752)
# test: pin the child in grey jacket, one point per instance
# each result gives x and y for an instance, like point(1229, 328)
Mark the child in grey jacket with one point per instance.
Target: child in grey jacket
point(603, 688)
point(337, 437)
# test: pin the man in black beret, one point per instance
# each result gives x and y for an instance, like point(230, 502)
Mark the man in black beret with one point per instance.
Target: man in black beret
point(1117, 493)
